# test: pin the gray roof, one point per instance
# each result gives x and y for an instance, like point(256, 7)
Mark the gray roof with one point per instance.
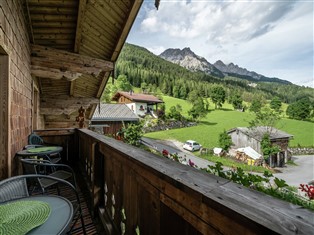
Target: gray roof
point(114, 112)
point(258, 132)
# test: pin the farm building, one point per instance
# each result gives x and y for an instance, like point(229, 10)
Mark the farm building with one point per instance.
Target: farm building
point(252, 137)
point(140, 104)
point(110, 118)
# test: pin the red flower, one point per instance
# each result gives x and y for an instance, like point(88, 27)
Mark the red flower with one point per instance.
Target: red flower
point(165, 152)
point(309, 189)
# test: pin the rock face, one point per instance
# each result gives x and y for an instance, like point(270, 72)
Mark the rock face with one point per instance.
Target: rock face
point(235, 69)
point(188, 59)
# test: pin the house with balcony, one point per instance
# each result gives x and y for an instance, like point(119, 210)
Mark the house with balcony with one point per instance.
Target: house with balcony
point(55, 59)
point(140, 104)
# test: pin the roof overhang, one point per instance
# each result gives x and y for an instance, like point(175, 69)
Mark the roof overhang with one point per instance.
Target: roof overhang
point(74, 46)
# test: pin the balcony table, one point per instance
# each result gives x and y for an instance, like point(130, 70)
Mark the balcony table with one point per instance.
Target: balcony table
point(60, 217)
point(40, 151)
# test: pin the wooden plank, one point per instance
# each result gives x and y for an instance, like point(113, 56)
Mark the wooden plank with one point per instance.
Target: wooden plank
point(5, 104)
point(99, 19)
point(103, 83)
point(54, 132)
point(52, 73)
point(86, 62)
point(172, 223)
point(65, 37)
point(94, 23)
point(52, 3)
point(55, 25)
point(66, 101)
point(149, 207)
point(52, 18)
point(52, 10)
point(93, 51)
point(128, 24)
point(107, 10)
point(80, 19)
point(96, 41)
point(72, 88)
point(54, 30)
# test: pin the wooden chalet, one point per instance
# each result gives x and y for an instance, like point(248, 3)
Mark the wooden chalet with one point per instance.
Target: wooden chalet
point(55, 59)
point(140, 104)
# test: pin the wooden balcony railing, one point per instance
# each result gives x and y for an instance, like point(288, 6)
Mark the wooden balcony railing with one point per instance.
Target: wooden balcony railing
point(136, 192)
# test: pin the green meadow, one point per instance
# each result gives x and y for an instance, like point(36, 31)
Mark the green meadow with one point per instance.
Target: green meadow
point(208, 129)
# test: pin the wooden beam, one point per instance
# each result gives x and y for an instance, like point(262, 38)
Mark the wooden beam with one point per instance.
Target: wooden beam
point(44, 72)
point(65, 105)
point(127, 27)
point(52, 61)
point(64, 102)
point(29, 23)
point(104, 80)
point(72, 88)
point(80, 18)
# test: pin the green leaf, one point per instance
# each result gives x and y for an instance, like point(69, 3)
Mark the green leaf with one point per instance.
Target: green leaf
point(280, 183)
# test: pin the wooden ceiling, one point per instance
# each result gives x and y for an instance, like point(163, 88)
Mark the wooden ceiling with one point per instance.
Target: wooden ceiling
point(75, 44)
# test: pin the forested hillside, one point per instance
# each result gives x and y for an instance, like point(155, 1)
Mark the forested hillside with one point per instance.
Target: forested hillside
point(144, 69)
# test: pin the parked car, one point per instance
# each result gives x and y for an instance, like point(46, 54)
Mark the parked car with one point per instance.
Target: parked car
point(192, 145)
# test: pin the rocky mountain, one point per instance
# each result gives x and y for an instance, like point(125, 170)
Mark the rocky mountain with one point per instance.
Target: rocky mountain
point(188, 59)
point(231, 69)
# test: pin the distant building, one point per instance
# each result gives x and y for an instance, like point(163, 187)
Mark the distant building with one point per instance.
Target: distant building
point(252, 137)
point(140, 104)
point(109, 118)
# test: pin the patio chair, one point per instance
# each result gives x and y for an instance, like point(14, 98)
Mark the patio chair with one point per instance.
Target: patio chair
point(17, 187)
point(45, 167)
point(35, 140)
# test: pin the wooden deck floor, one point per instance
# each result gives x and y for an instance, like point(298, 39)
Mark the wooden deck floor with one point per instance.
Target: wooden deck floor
point(91, 225)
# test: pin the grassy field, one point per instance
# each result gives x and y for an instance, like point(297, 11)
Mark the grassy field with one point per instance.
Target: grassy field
point(209, 128)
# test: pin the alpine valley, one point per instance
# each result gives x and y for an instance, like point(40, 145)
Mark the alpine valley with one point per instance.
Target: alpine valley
point(177, 72)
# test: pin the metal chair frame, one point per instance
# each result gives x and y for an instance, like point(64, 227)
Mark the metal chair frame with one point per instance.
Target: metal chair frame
point(16, 187)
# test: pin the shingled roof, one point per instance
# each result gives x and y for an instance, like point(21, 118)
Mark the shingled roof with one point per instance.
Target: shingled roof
point(114, 112)
point(137, 97)
point(258, 132)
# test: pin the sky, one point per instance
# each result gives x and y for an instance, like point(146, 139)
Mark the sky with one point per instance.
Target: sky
point(273, 38)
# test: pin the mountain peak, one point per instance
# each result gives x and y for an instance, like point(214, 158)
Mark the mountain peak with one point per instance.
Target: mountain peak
point(188, 59)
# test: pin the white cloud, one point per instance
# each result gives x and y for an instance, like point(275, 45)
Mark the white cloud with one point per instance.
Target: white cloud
point(274, 38)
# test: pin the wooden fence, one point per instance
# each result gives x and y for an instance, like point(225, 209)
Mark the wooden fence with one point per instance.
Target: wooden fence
point(136, 192)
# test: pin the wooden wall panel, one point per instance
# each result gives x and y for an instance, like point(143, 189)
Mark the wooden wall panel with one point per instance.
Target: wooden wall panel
point(14, 40)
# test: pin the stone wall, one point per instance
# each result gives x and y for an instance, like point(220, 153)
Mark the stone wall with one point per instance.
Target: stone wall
point(167, 125)
point(14, 42)
point(301, 151)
